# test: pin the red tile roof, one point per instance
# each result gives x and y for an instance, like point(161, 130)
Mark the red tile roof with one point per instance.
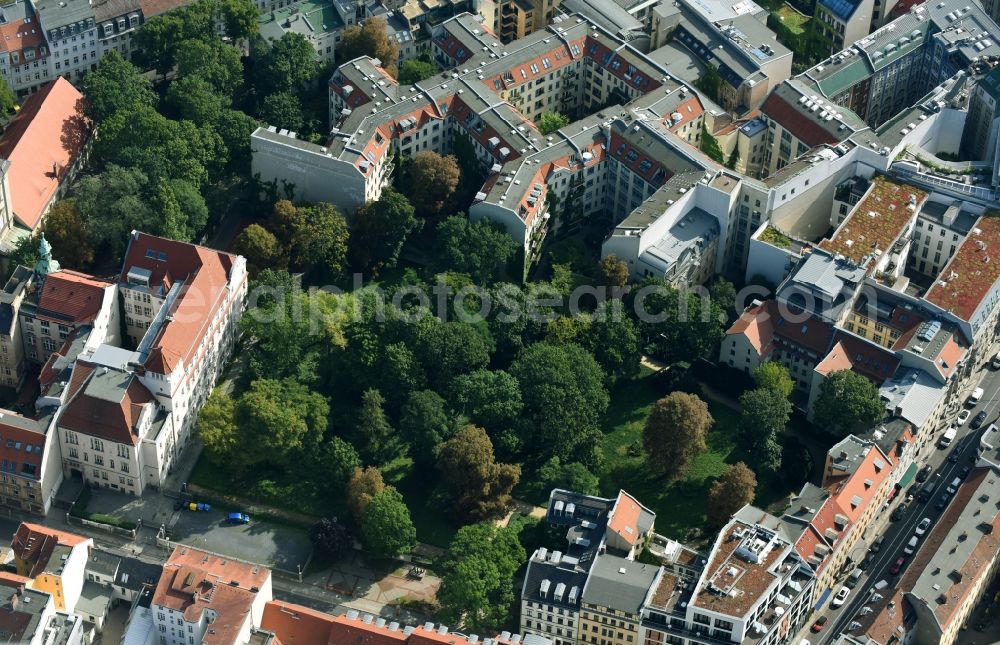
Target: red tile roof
point(972, 271)
point(854, 353)
point(791, 119)
point(33, 545)
point(194, 581)
point(71, 297)
point(625, 520)
point(757, 324)
point(17, 36)
point(42, 141)
point(97, 414)
point(205, 273)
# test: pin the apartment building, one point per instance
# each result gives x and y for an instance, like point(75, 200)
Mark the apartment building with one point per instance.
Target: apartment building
point(183, 302)
point(28, 616)
point(613, 599)
point(116, 21)
point(841, 22)
point(24, 52)
point(553, 598)
point(29, 476)
point(71, 33)
point(877, 76)
point(122, 578)
point(318, 22)
point(733, 38)
point(53, 561)
point(981, 123)
point(207, 598)
point(754, 589)
point(41, 151)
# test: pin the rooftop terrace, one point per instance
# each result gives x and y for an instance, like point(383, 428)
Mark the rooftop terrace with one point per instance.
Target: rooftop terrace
point(972, 272)
point(878, 220)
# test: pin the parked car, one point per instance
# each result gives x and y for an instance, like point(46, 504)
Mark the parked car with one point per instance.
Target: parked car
point(897, 566)
point(943, 502)
point(898, 512)
point(854, 578)
point(877, 544)
point(963, 416)
point(995, 361)
point(924, 473)
point(923, 526)
point(911, 546)
point(818, 625)
point(975, 397)
point(841, 597)
point(237, 518)
point(964, 472)
point(955, 455)
point(866, 561)
point(978, 420)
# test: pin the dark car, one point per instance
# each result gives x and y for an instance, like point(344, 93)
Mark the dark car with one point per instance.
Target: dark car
point(954, 456)
point(867, 561)
point(964, 472)
point(924, 473)
point(898, 512)
point(818, 625)
point(897, 566)
point(942, 502)
point(978, 420)
point(237, 518)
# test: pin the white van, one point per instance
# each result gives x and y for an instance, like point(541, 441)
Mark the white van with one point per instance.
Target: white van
point(948, 436)
point(975, 397)
point(911, 546)
point(953, 488)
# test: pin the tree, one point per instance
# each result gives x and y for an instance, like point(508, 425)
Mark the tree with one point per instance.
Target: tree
point(260, 247)
point(675, 433)
point(731, 492)
point(379, 229)
point(286, 65)
point(710, 145)
point(116, 85)
point(337, 461)
point(235, 128)
point(765, 412)
point(681, 326)
point(573, 476)
point(477, 576)
point(550, 121)
point(331, 538)
point(193, 210)
point(320, 243)
point(492, 400)
point(156, 40)
point(376, 434)
point(614, 272)
point(847, 403)
point(734, 158)
point(25, 253)
point(281, 421)
point(479, 249)
point(724, 295)
point(425, 423)
point(370, 38)
point(710, 82)
point(774, 376)
point(66, 232)
point(112, 204)
point(387, 529)
point(452, 348)
point(362, 486)
point(614, 341)
point(562, 387)
point(7, 100)
point(479, 487)
point(220, 436)
point(433, 180)
point(239, 18)
point(282, 110)
point(416, 70)
point(217, 63)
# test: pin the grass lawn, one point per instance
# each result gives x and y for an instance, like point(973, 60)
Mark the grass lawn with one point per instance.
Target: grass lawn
point(792, 19)
point(679, 506)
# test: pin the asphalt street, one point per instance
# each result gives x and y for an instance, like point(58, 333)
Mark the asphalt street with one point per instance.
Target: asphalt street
point(897, 534)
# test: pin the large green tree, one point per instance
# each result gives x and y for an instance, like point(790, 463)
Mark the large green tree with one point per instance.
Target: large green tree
point(261, 249)
point(729, 493)
point(492, 400)
point(480, 249)
point(551, 121)
point(376, 435)
point(562, 387)
point(679, 326)
point(449, 349)
point(432, 182)
point(286, 64)
point(220, 437)
point(614, 341)
point(416, 70)
point(676, 432)
point(362, 487)
point(116, 85)
point(7, 100)
point(425, 423)
point(478, 486)
point(765, 413)
point(847, 403)
point(379, 229)
point(774, 376)
point(214, 61)
point(387, 529)
point(67, 233)
point(282, 110)
point(281, 421)
point(477, 576)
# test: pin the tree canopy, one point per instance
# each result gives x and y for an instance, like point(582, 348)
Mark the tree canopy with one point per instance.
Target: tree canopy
point(433, 180)
point(614, 272)
point(387, 529)
point(362, 486)
point(480, 249)
point(379, 229)
point(765, 413)
point(479, 487)
point(675, 433)
point(65, 231)
point(772, 375)
point(370, 38)
point(847, 403)
point(416, 70)
point(331, 538)
point(729, 493)
point(551, 121)
point(116, 85)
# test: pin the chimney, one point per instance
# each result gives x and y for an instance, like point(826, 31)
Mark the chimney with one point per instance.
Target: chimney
point(13, 601)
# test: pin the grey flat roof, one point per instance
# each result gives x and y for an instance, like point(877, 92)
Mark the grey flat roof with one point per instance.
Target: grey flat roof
point(619, 584)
